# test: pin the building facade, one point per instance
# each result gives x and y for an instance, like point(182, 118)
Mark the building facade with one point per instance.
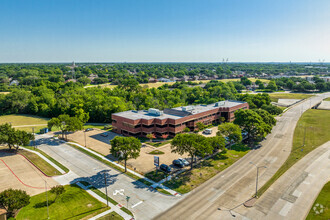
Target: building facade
point(175, 120)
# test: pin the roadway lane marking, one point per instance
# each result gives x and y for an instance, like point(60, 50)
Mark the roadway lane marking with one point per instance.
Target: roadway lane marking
point(286, 208)
point(136, 204)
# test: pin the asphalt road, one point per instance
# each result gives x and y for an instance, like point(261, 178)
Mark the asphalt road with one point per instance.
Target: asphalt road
point(235, 185)
point(144, 202)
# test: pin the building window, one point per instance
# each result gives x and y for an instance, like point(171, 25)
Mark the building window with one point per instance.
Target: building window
point(148, 126)
point(161, 126)
point(125, 124)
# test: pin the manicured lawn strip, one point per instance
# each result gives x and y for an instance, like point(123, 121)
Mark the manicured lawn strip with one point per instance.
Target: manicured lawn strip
point(98, 192)
point(127, 211)
point(75, 203)
point(187, 181)
point(111, 216)
point(163, 191)
point(40, 163)
point(112, 165)
point(314, 124)
point(156, 152)
point(327, 99)
point(158, 144)
point(275, 96)
point(49, 158)
point(322, 199)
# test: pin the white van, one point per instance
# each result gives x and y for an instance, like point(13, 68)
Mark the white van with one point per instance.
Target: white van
point(207, 131)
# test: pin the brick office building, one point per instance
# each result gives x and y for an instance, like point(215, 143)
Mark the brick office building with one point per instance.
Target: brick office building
point(173, 121)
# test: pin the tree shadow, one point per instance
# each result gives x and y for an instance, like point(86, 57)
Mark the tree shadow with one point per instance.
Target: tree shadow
point(47, 141)
point(43, 204)
point(102, 179)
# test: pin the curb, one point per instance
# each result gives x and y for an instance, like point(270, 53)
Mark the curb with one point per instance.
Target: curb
point(34, 165)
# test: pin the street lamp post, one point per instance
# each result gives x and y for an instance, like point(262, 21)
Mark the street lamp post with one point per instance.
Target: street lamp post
point(85, 138)
point(256, 195)
point(47, 199)
point(229, 210)
point(106, 188)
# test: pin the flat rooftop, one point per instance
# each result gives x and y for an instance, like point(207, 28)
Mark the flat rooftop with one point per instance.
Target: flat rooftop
point(176, 113)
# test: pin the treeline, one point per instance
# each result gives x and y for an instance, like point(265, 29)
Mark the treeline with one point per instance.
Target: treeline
point(31, 75)
point(302, 85)
point(52, 99)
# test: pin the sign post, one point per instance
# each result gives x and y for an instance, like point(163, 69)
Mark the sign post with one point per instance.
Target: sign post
point(156, 162)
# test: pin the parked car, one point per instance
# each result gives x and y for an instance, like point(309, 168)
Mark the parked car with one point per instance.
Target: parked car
point(165, 168)
point(178, 163)
point(89, 129)
point(104, 135)
point(207, 131)
point(184, 161)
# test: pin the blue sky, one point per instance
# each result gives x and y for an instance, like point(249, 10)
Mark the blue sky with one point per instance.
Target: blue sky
point(164, 30)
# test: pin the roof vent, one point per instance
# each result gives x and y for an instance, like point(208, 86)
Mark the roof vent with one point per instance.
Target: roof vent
point(218, 104)
point(155, 111)
point(187, 108)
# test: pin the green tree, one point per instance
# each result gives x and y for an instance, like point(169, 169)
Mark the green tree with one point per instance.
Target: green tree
point(200, 126)
point(57, 190)
point(14, 138)
point(217, 143)
point(230, 130)
point(193, 144)
point(125, 148)
point(251, 122)
point(13, 199)
point(272, 85)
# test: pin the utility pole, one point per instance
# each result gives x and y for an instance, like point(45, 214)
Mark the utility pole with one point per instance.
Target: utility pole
point(256, 195)
point(106, 188)
point(85, 138)
point(47, 199)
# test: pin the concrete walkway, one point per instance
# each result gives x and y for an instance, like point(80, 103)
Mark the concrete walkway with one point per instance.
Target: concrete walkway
point(46, 159)
point(112, 206)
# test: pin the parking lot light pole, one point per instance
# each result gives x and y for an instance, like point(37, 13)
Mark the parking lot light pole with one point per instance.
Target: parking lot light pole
point(229, 210)
point(85, 138)
point(256, 195)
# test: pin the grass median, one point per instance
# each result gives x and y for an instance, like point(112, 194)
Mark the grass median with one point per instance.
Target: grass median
point(321, 207)
point(74, 203)
point(49, 158)
point(187, 181)
point(111, 216)
point(274, 97)
point(312, 130)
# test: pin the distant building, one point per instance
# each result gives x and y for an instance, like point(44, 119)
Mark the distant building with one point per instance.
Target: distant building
point(14, 83)
point(173, 121)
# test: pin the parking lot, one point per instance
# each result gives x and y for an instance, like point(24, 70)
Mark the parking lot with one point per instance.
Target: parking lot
point(18, 173)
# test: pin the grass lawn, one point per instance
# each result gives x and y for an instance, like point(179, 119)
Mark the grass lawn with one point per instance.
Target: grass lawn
point(156, 152)
point(49, 158)
point(322, 199)
point(75, 203)
point(314, 124)
point(158, 144)
point(158, 84)
point(20, 120)
point(40, 163)
point(327, 99)
point(111, 216)
point(187, 181)
point(275, 96)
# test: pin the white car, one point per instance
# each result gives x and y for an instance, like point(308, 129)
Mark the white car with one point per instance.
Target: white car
point(184, 161)
point(207, 131)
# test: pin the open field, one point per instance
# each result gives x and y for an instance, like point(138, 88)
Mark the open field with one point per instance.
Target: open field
point(275, 96)
point(185, 182)
point(18, 173)
point(158, 84)
point(322, 199)
point(312, 130)
point(25, 122)
point(75, 203)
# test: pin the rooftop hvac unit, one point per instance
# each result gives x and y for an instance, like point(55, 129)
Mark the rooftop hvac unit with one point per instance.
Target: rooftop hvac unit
point(155, 111)
point(187, 108)
point(218, 104)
